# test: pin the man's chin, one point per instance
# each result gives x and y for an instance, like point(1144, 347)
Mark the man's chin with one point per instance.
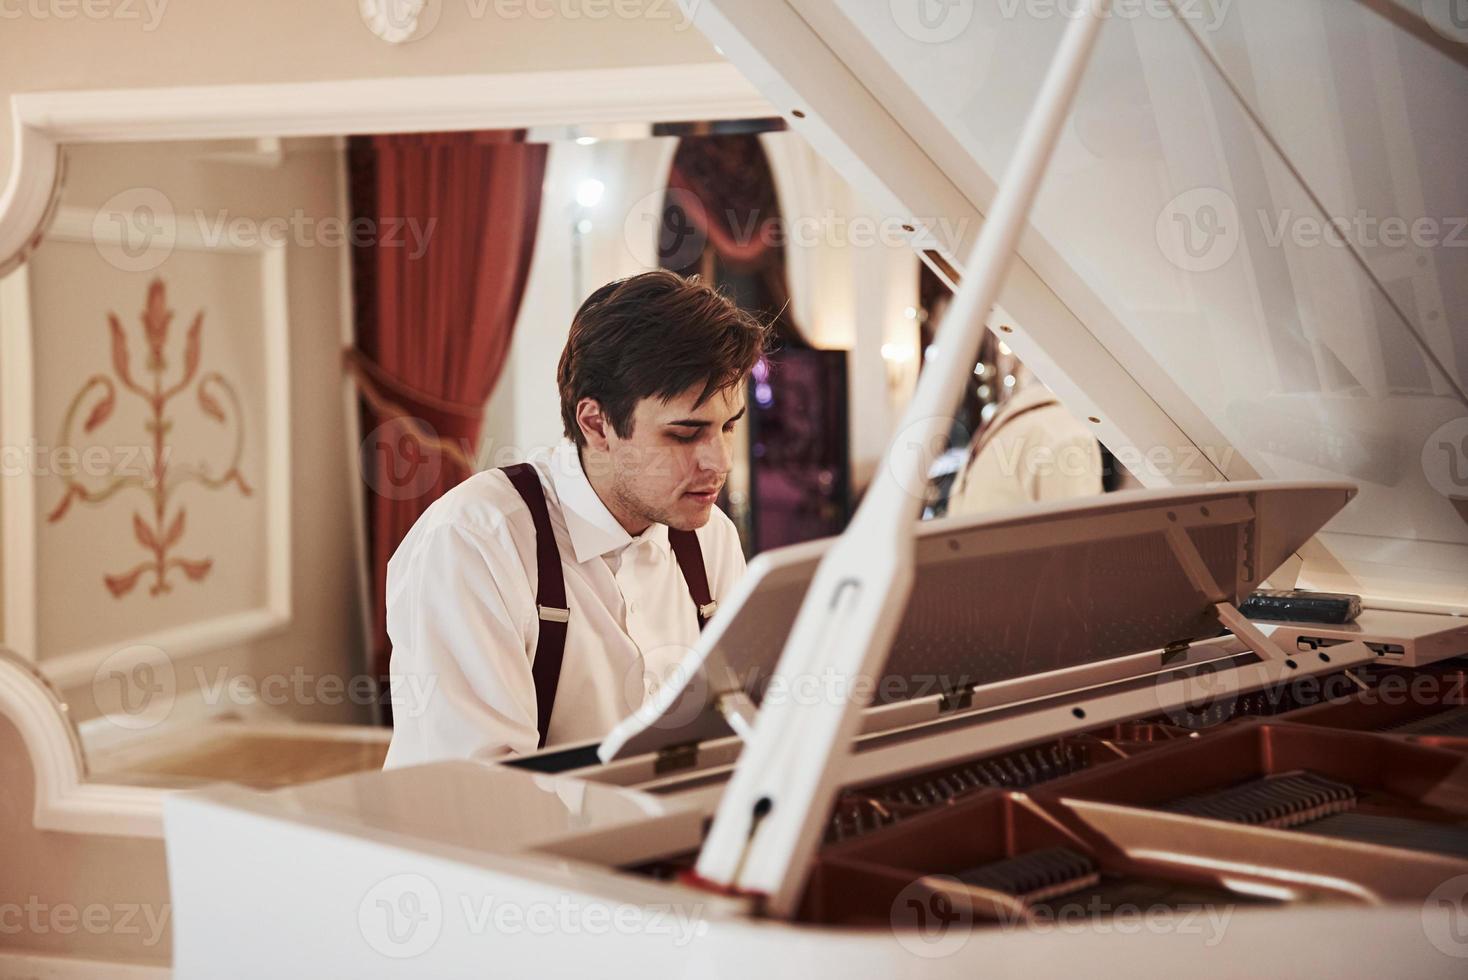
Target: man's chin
point(689, 515)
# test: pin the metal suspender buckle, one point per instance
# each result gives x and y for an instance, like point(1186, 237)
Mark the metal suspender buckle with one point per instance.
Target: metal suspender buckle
point(708, 609)
point(551, 614)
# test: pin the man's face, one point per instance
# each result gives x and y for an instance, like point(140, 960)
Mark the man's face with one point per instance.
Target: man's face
point(671, 466)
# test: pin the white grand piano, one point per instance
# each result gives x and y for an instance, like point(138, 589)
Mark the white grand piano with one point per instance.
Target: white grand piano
point(1041, 741)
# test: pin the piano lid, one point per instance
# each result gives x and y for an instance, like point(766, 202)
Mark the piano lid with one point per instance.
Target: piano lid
point(1184, 280)
point(1064, 585)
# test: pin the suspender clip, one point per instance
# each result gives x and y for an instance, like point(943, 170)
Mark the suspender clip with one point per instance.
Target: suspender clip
point(708, 609)
point(551, 614)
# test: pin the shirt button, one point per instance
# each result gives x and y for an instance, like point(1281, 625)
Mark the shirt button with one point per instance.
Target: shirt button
point(632, 606)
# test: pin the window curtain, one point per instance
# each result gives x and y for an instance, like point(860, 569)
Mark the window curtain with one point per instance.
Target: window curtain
point(443, 231)
point(848, 292)
point(819, 263)
point(721, 195)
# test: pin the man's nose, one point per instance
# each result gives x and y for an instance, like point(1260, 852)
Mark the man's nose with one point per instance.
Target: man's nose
point(714, 456)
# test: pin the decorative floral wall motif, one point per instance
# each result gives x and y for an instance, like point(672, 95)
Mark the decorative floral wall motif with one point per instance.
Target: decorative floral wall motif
point(159, 532)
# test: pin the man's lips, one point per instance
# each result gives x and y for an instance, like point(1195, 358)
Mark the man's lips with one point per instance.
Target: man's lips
point(703, 496)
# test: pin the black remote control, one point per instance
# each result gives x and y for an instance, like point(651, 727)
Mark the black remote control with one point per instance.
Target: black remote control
point(1302, 606)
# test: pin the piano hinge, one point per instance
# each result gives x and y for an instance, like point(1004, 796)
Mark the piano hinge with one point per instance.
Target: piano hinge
point(1174, 651)
point(684, 755)
point(956, 699)
point(1250, 543)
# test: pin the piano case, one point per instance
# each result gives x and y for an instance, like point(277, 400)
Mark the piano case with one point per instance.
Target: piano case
point(1088, 701)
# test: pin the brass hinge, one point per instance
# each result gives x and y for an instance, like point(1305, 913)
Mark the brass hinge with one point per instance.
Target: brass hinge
point(670, 758)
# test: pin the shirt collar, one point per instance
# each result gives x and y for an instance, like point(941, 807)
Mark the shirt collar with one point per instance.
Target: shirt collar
point(593, 530)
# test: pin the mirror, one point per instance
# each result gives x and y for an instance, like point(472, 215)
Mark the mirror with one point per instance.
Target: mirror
point(201, 471)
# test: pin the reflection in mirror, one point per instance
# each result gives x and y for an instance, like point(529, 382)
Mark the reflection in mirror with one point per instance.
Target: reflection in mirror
point(248, 365)
point(1012, 442)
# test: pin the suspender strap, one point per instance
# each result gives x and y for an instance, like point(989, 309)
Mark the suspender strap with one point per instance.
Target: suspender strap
point(550, 590)
point(550, 596)
point(690, 559)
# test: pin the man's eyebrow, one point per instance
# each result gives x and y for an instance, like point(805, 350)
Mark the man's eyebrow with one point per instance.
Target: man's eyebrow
point(704, 423)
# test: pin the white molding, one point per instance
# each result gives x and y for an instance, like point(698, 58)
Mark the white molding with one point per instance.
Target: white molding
point(44, 120)
point(18, 546)
point(275, 302)
point(42, 967)
point(64, 799)
point(18, 608)
point(68, 799)
point(31, 191)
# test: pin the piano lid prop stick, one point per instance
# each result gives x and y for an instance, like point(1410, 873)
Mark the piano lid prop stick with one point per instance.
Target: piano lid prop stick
point(773, 814)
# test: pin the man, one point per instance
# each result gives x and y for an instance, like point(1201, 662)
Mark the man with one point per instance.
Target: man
point(1031, 451)
point(537, 598)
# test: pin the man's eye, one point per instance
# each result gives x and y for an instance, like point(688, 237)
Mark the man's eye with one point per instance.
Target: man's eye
point(692, 438)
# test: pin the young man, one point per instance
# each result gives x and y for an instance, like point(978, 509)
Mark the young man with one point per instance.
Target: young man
point(538, 598)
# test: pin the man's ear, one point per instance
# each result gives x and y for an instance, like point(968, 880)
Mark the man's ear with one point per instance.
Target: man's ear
point(595, 426)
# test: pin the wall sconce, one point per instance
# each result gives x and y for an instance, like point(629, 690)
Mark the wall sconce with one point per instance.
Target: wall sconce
point(899, 359)
point(589, 192)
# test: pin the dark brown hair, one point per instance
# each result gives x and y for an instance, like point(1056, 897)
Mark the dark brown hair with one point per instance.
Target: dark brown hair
point(653, 335)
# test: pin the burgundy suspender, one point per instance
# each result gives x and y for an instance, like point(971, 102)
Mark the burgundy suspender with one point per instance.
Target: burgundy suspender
point(550, 590)
point(550, 596)
point(690, 559)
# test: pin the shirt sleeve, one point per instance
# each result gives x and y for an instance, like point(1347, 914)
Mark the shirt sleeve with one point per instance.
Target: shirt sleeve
point(461, 672)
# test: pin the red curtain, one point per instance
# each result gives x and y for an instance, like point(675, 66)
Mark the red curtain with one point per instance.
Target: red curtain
point(443, 230)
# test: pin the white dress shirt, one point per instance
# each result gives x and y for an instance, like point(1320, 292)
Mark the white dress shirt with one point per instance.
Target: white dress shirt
point(462, 617)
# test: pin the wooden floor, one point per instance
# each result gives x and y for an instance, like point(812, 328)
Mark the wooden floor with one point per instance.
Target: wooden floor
point(267, 761)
